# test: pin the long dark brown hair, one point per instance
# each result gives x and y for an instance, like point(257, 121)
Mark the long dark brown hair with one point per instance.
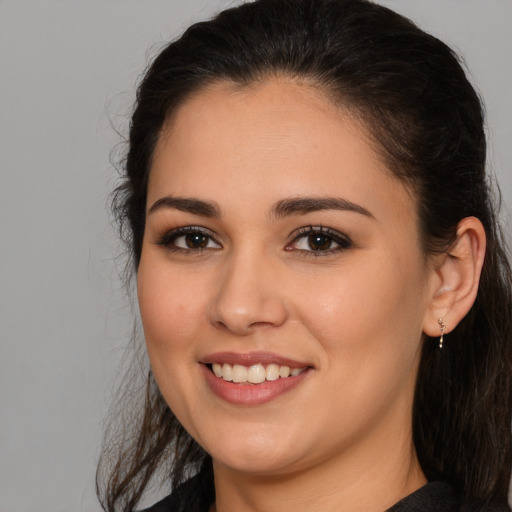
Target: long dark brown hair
point(427, 122)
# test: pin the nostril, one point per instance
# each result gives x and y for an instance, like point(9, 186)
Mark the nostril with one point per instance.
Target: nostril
point(220, 325)
point(261, 324)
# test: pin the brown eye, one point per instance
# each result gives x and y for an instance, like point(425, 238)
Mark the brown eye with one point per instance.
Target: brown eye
point(319, 242)
point(189, 239)
point(196, 241)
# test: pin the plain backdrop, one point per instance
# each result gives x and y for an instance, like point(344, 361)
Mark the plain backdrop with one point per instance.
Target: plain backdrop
point(67, 75)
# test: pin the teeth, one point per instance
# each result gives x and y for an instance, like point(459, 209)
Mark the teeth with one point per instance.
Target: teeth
point(254, 374)
point(227, 372)
point(239, 373)
point(284, 371)
point(272, 372)
point(217, 369)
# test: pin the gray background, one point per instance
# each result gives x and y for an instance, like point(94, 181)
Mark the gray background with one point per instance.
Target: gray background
point(67, 72)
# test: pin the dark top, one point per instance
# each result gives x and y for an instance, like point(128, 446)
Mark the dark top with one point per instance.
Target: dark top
point(198, 493)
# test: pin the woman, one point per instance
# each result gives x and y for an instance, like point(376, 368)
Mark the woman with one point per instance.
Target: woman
point(325, 296)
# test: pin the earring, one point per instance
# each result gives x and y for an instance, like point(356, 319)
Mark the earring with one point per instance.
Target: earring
point(442, 327)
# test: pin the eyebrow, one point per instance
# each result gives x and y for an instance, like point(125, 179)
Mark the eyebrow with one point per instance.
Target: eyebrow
point(281, 209)
point(301, 205)
point(186, 204)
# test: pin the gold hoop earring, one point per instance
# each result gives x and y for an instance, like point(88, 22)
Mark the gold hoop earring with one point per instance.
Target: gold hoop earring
point(442, 327)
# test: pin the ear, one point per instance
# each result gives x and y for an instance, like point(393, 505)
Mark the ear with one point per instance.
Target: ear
point(456, 277)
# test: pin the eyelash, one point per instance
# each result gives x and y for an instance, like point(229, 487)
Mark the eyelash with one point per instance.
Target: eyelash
point(169, 238)
point(343, 241)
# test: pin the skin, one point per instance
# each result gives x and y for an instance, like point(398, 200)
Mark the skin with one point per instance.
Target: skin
point(341, 439)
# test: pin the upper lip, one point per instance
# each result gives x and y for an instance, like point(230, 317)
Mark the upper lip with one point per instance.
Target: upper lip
point(252, 358)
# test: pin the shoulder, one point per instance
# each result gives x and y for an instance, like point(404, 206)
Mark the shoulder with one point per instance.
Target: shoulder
point(168, 504)
point(490, 507)
point(440, 497)
point(195, 495)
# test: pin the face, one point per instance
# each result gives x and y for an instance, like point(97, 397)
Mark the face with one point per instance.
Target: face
point(282, 286)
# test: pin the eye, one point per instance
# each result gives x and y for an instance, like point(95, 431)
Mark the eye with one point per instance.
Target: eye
point(315, 242)
point(319, 240)
point(190, 238)
point(192, 241)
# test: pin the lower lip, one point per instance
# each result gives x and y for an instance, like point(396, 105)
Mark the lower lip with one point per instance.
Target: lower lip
point(251, 394)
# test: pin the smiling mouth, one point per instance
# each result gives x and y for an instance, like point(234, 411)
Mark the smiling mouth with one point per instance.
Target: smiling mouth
point(254, 374)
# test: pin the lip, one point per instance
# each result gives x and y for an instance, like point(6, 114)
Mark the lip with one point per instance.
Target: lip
point(251, 358)
point(252, 394)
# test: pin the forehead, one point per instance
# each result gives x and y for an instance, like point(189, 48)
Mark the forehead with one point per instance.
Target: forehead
point(266, 141)
point(261, 112)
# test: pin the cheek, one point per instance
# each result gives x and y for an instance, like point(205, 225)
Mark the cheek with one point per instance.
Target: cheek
point(172, 313)
point(363, 310)
point(370, 338)
point(171, 309)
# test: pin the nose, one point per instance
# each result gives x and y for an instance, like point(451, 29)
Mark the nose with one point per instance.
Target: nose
point(249, 296)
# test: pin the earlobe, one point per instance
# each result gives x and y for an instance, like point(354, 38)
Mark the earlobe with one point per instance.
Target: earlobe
point(457, 276)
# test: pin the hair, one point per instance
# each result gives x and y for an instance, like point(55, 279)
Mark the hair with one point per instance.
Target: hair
point(426, 120)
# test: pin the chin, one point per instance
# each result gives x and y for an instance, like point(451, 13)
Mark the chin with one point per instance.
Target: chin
point(257, 454)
